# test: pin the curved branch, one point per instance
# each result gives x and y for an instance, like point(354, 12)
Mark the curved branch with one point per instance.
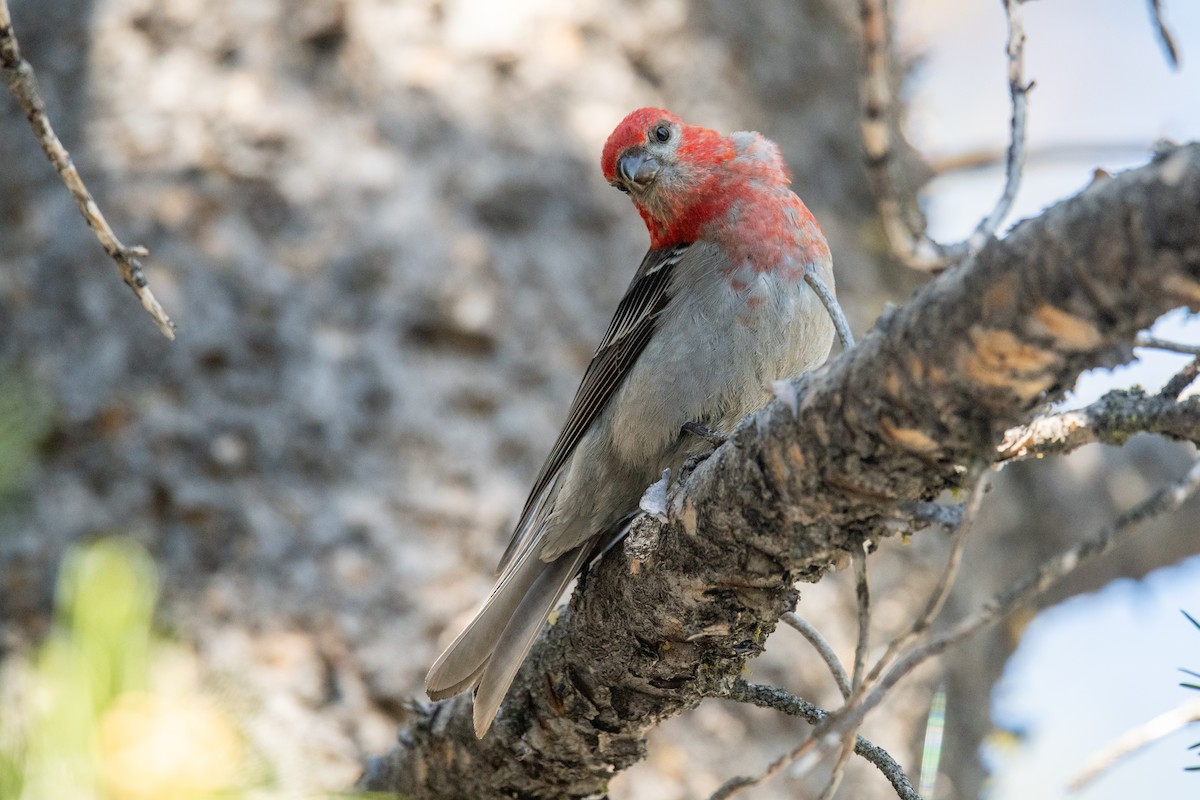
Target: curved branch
point(779, 700)
point(919, 404)
point(18, 75)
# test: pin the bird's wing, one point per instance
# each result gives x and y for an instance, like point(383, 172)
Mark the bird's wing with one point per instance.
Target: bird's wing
point(630, 330)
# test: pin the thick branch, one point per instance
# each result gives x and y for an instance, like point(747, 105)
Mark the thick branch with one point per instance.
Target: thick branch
point(921, 401)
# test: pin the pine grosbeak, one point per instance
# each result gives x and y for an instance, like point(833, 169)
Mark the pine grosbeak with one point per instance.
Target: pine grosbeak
point(716, 312)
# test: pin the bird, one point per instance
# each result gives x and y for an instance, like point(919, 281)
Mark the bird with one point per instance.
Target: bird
point(717, 311)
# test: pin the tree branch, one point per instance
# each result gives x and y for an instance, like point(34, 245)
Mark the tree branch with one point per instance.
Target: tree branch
point(779, 700)
point(824, 650)
point(1014, 163)
point(1164, 35)
point(880, 671)
point(1146, 340)
point(908, 241)
point(918, 405)
point(850, 716)
point(1135, 740)
point(1112, 420)
point(18, 75)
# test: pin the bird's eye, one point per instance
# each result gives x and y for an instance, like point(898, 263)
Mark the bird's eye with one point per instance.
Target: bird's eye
point(662, 133)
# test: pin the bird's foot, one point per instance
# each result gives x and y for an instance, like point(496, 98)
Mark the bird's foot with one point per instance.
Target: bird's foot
point(707, 434)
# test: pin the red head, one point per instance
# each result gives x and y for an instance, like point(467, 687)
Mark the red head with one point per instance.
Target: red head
point(638, 129)
point(682, 177)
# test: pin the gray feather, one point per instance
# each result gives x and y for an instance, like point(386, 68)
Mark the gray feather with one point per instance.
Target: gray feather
point(624, 429)
point(518, 637)
point(460, 666)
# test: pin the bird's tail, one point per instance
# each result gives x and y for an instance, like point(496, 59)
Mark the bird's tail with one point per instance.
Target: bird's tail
point(488, 653)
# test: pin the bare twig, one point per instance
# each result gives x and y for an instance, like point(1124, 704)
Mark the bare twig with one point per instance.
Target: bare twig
point(816, 744)
point(823, 648)
point(840, 324)
point(941, 591)
point(1164, 34)
point(1018, 91)
point(863, 604)
point(1181, 380)
point(839, 767)
point(862, 596)
point(779, 700)
point(988, 157)
point(18, 74)
point(1112, 419)
point(1146, 340)
point(908, 242)
point(735, 785)
point(1134, 740)
point(1165, 500)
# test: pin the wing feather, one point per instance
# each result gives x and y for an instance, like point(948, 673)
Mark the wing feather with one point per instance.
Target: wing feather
point(632, 325)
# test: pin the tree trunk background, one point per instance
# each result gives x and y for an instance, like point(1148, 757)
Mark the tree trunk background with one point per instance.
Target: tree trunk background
point(390, 252)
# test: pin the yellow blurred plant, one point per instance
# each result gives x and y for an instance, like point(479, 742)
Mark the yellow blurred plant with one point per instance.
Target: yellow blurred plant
point(106, 710)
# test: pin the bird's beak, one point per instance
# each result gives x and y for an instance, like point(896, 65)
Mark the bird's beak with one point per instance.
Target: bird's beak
point(637, 169)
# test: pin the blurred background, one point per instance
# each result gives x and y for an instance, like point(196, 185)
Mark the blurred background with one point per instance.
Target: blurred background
point(381, 228)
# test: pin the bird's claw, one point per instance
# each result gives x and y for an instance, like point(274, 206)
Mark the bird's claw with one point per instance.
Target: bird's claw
point(707, 434)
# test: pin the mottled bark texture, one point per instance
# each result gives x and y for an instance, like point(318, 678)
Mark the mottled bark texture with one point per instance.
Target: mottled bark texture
point(925, 396)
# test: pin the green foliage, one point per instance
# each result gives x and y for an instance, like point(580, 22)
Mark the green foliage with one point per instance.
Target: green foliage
point(25, 414)
point(1189, 685)
point(101, 710)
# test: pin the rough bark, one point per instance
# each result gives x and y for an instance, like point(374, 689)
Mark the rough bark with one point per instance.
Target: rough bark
point(926, 395)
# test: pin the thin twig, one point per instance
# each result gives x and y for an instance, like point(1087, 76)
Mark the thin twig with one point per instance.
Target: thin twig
point(735, 785)
point(814, 746)
point(910, 243)
point(907, 241)
point(862, 596)
point(839, 767)
point(1134, 740)
point(1181, 380)
point(1154, 343)
point(823, 648)
point(1163, 501)
point(1164, 34)
point(1053, 153)
point(779, 700)
point(1018, 91)
point(941, 591)
point(840, 324)
point(862, 593)
point(18, 74)
point(1112, 419)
